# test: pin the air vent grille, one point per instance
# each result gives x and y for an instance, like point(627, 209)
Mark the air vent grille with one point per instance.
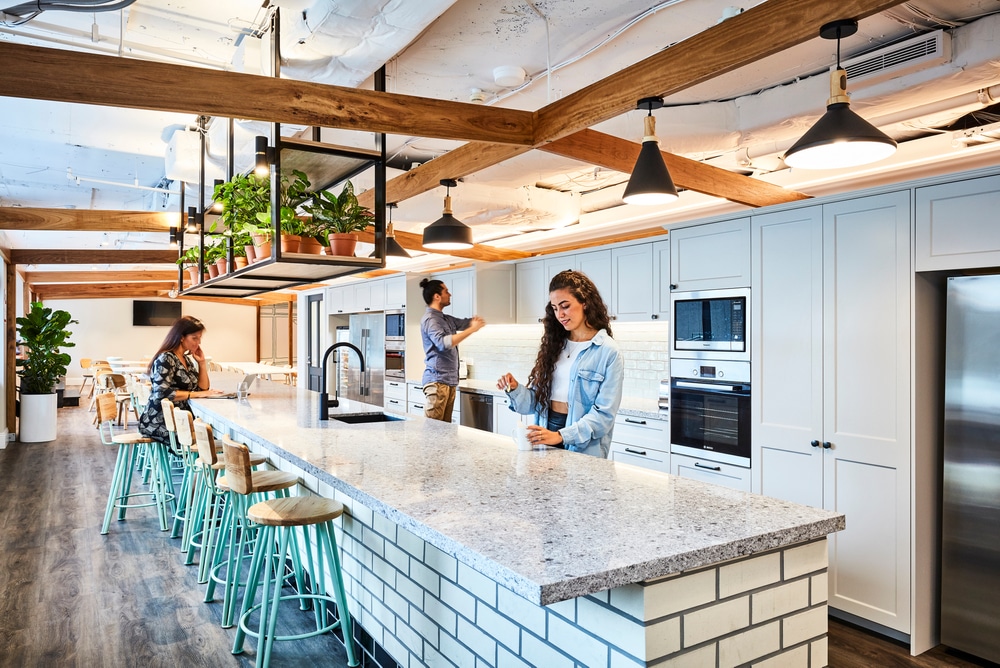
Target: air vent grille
point(914, 54)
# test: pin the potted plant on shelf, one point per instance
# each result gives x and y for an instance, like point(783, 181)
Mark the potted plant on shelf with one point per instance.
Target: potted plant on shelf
point(189, 260)
point(243, 197)
point(339, 218)
point(293, 191)
point(43, 333)
point(215, 256)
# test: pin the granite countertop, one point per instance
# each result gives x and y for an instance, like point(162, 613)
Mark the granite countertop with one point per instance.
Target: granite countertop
point(548, 524)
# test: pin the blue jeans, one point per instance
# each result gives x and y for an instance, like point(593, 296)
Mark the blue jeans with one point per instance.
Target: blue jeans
point(556, 422)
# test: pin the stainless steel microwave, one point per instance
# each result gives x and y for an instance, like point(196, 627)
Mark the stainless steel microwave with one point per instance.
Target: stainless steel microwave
point(395, 325)
point(711, 324)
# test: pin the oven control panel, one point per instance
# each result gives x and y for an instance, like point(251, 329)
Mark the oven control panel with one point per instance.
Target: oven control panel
point(737, 372)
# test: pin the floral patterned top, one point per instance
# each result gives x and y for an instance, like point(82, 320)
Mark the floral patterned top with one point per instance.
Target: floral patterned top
point(168, 375)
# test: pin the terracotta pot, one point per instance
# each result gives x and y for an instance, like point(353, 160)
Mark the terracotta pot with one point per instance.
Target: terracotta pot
point(262, 248)
point(250, 251)
point(310, 245)
point(290, 243)
point(192, 270)
point(342, 244)
point(213, 271)
point(222, 265)
point(240, 261)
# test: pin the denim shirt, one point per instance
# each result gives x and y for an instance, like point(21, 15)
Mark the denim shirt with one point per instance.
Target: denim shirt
point(595, 392)
point(441, 357)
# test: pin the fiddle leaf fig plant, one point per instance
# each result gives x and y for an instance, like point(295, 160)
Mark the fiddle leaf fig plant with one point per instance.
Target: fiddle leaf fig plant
point(43, 332)
point(337, 213)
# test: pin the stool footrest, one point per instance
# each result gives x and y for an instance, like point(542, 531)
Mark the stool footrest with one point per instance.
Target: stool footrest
point(293, 597)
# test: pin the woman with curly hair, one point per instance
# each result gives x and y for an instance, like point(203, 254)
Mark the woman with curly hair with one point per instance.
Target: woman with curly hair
point(575, 387)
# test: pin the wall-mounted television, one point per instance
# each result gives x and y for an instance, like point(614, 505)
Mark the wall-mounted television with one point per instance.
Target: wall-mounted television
point(154, 314)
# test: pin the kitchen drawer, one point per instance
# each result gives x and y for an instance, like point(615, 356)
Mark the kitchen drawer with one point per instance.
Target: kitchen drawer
point(396, 389)
point(706, 470)
point(395, 405)
point(415, 408)
point(415, 393)
point(649, 458)
point(641, 432)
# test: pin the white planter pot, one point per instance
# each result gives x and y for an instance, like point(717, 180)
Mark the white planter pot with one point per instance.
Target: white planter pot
point(38, 418)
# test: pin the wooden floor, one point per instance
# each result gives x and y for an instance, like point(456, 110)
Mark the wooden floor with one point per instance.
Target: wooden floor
point(71, 597)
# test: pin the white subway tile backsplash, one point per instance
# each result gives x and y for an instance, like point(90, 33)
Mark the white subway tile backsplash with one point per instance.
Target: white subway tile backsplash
point(459, 599)
point(699, 658)
point(779, 601)
point(458, 654)
point(818, 652)
point(628, 634)
point(507, 660)
point(442, 562)
point(583, 647)
point(805, 559)
point(796, 658)
point(539, 653)
point(498, 626)
point(527, 614)
point(477, 583)
point(749, 574)
point(477, 641)
point(716, 620)
point(820, 588)
point(804, 626)
point(442, 615)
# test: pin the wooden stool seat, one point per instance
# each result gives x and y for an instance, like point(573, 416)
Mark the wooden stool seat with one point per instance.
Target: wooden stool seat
point(130, 439)
point(295, 511)
point(255, 460)
point(266, 481)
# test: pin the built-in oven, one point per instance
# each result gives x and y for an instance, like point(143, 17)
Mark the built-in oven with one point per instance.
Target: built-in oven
point(395, 325)
point(711, 324)
point(395, 359)
point(710, 410)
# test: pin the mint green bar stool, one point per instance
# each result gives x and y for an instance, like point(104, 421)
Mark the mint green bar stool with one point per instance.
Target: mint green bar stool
point(277, 520)
point(182, 453)
point(236, 534)
point(121, 496)
point(209, 499)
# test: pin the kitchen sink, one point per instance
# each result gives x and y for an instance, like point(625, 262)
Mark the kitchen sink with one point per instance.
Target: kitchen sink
point(364, 418)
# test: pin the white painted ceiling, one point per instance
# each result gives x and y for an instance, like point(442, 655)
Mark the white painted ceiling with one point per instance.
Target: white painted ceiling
point(79, 156)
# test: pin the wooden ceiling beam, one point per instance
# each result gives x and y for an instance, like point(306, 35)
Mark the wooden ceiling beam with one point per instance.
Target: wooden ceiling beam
point(597, 148)
point(72, 76)
point(86, 220)
point(101, 290)
point(761, 31)
point(42, 277)
point(50, 256)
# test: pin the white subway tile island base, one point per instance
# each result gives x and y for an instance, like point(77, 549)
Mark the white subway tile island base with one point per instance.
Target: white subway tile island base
point(460, 550)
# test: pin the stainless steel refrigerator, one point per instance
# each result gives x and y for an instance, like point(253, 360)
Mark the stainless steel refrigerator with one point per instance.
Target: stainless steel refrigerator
point(970, 526)
point(367, 332)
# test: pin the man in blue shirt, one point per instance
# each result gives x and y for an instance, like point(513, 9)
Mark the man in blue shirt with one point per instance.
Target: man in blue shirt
point(440, 334)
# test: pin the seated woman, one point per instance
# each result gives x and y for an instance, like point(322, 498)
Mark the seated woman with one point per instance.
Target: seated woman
point(575, 387)
point(177, 372)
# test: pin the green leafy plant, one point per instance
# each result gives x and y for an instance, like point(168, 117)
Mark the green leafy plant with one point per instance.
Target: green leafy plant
point(215, 249)
point(293, 191)
point(190, 256)
point(43, 332)
point(337, 214)
point(243, 197)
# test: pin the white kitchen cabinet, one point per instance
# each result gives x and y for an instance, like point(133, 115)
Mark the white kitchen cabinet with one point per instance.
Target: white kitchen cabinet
point(956, 225)
point(504, 419)
point(661, 280)
point(831, 382)
point(531, 296)
point(631, 299)
point(395, 396)
point(415, 399)
point(394, 291)
point(710, 256)
point(707, 470)
point(335, 299)
point(642, 442)
point(487, 290)
point(597, 265)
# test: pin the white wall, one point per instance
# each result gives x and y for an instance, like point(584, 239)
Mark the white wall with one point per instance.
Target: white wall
point(105, 328)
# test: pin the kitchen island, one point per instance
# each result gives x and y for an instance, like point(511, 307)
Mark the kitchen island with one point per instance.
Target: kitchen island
point(461, 550)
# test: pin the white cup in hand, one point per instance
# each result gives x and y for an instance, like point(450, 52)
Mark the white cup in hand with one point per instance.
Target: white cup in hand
point(520, 435)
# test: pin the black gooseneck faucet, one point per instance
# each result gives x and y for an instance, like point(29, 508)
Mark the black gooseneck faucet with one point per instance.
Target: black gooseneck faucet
point(324, 398)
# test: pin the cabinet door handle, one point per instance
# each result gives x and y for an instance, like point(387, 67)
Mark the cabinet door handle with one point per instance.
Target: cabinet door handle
point(655, 316)
point(636, 452)
point(631, 421)
point(815, 444)
point(710, 468)
point(827, 445)
point(673, 286)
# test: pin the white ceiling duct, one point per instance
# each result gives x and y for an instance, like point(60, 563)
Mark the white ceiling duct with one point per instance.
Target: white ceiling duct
point(342, 43)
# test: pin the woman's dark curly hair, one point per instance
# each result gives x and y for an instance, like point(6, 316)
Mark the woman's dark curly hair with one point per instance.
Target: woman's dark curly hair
point(595, 312)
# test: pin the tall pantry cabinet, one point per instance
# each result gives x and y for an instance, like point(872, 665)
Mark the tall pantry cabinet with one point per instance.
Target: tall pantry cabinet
point(830, 341)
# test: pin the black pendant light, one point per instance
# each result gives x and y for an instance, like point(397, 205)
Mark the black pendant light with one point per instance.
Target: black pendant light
point(392, 247)
point(262, 156)
point(447, 232)
point(650, 182)
point(840, 138)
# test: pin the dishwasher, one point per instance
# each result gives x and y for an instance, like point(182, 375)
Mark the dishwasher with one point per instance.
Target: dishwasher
point(476, 410)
